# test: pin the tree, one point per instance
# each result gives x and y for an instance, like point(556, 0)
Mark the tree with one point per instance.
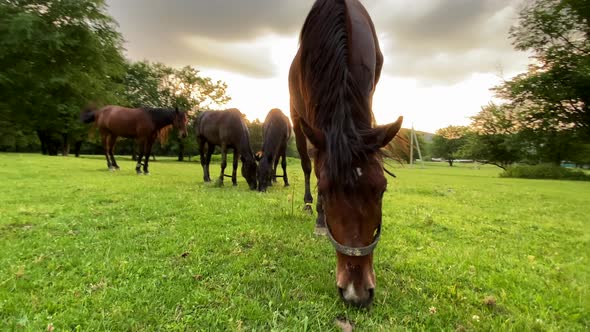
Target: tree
point(493, 136)
point(553, 97)
point(448, 141)
point(56, 55)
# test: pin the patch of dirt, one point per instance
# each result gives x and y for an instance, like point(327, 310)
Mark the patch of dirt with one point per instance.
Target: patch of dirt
point(344, 324)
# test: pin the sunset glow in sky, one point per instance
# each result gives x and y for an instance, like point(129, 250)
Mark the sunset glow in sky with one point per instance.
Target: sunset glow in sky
point(441, 56)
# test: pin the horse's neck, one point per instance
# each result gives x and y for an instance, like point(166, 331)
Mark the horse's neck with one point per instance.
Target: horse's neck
point(244, 147)
point(164, 119)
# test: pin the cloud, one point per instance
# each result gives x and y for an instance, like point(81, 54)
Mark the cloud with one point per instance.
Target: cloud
point(221, 34)
point(434, 41)
point(448, 40)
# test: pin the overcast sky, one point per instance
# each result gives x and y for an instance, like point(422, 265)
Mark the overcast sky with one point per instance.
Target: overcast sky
point(441, 56)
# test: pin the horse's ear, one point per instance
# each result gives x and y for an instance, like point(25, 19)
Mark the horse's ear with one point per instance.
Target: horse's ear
point(258, 155)
point(380, 136)
point(316, 137)
point(176, 109)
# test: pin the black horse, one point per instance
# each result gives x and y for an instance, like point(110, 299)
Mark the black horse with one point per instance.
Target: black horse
point(276, 133)
point(228, 130)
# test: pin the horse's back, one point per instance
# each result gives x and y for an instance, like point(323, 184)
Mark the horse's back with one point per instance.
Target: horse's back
point(276, 126)
point(364, 53)
point(364, 58)
point(221, 127)
point(123, 121)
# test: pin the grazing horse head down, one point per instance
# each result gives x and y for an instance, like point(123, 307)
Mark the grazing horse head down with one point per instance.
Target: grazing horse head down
point(331, 82)
point(226, 129)
point(276, 132)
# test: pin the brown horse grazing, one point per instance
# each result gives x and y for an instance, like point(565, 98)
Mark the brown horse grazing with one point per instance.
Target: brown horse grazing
point(143, 124)
point(228, 130)
point(276, 132)
point(331, 82)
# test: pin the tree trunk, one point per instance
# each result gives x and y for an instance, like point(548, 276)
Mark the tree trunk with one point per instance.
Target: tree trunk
point(66, 145)
point(450, 162)
point(180, 150)
point(43, 141)
point(77, 148)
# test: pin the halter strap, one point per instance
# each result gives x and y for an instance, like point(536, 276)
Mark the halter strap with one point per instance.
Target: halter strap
point(355, 251)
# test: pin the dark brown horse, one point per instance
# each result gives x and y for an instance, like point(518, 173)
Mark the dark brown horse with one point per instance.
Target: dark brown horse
point(276, 132)
point(332, 80)
point(143, 124)
point(228, 130)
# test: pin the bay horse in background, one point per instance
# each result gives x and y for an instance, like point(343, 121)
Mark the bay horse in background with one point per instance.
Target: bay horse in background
point(331, 83)
point(142, 124)
point(276, 132)
point(228, 130)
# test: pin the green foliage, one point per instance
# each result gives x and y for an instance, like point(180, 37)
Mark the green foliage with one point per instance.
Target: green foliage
point(552, 99)
point(493, 137)
point(448, 142)
point(56, 56)
point(545, 171)
point(158, 85)
point(461, 249)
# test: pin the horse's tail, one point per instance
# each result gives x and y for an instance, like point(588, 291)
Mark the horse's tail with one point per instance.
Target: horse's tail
point(88, 115)
point(333, 96)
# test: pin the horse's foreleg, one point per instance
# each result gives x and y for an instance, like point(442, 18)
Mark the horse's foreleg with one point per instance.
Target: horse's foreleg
point(234, 173)
point(105, 145)
point(320, 223)
point(203, 159)
point(141, 152)
point(112, 142)
point(274, 168)
point(148, 149)
point(284, 165)
point(223, 162)
point(305, 164)
point(210, 150)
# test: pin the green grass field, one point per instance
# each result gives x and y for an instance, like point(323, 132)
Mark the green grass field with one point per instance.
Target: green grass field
point(462, 249)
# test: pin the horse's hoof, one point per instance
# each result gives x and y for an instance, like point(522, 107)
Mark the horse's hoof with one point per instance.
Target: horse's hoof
point(139, 173)
point(235, 184)
point(320, 231)
point(111, 169)
point(308, 209)
point(146, 173)
point(286, 185)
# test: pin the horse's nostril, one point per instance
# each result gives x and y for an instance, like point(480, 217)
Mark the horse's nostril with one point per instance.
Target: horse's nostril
point(371, 295)
point(341, 293)
point(362, 301)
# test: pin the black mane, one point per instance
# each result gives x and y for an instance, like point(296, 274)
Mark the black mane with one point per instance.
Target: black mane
point(336, 104)
point(161, 116)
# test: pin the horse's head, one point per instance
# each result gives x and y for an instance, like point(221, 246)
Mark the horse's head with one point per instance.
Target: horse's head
point(249, 171)
point(264, 172)
point(353, 211)
point(180, 121)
